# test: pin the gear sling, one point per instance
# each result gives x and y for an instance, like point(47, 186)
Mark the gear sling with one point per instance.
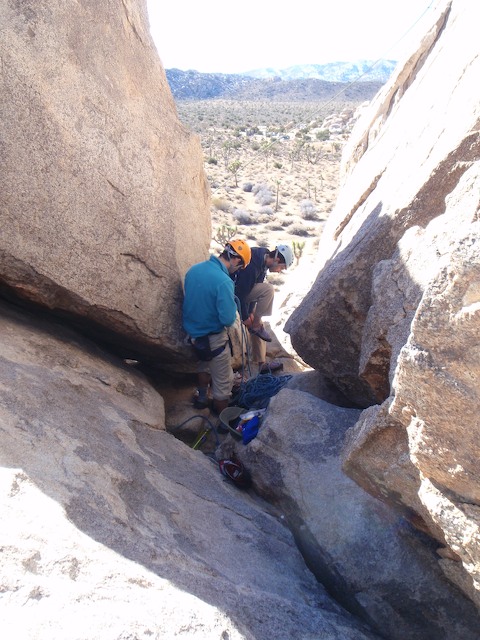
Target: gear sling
point(203, 350)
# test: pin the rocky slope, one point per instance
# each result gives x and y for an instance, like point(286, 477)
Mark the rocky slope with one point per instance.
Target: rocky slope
point(112, 528)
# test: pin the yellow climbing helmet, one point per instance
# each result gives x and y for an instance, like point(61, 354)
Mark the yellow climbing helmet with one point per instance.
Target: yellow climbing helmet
point(239, 248)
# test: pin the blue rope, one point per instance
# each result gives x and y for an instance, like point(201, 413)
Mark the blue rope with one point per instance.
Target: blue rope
point(256, 392)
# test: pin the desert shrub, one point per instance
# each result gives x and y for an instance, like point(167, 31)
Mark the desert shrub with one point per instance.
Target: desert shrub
point(257, 238)
point(308, 210)
point(298, 230)
point(266, 210)
point(243, 217)
point(274, 226)
point(221, 204)
point(323, 134)
point(263, 194)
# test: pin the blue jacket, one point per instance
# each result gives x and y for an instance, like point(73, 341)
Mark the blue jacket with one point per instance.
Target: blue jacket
point(209, 303)
point(245, 279)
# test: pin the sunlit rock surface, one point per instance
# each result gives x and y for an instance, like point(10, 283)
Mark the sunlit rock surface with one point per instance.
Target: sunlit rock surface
point(393, 318)
point(103, 198)
point(112, 528)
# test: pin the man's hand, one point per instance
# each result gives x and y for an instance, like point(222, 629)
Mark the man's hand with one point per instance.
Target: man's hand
point(248, 322)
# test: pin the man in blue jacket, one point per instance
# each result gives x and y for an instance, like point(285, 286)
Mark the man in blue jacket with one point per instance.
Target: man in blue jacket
point(209, 308)
point(256, 298)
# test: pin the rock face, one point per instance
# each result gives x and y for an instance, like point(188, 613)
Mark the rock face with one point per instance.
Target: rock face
point(393, 318)
point(367, 556)
point(402, 163)
point(112, 528)
point(99, 181)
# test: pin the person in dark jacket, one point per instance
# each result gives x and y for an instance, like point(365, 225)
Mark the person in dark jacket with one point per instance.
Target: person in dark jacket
point(256, 297)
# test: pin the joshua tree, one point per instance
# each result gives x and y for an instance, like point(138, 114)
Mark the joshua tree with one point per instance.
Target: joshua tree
point(276, 196)
point(235, 168)
point(298, 250)
point(224, 234)
point(227, 149)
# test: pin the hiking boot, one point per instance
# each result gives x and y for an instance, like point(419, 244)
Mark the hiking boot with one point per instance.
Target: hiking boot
point(270, 367)
point(261, 333)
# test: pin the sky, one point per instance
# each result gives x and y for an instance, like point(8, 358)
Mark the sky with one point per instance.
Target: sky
point(219, 36)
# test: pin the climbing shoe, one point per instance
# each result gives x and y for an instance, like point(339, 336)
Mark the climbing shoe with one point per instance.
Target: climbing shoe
point(270, 367)
point(261, 333)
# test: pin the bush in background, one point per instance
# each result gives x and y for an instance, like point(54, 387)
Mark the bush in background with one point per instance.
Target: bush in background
point(243, 217)
point(266, 210)
point(308, 210)
point(263, 194)
point(221, 204)
point(297, 230)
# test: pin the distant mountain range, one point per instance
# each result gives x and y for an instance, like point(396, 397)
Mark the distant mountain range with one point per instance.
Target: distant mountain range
point(361, 71)
point(356, 81)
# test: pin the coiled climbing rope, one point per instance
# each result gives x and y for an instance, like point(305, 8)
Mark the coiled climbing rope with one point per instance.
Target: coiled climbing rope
point(256, 392)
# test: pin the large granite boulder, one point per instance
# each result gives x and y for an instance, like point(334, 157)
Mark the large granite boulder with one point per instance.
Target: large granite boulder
point(405, 156)
point(103, 199)
point(393, 318)
point(112, 528)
